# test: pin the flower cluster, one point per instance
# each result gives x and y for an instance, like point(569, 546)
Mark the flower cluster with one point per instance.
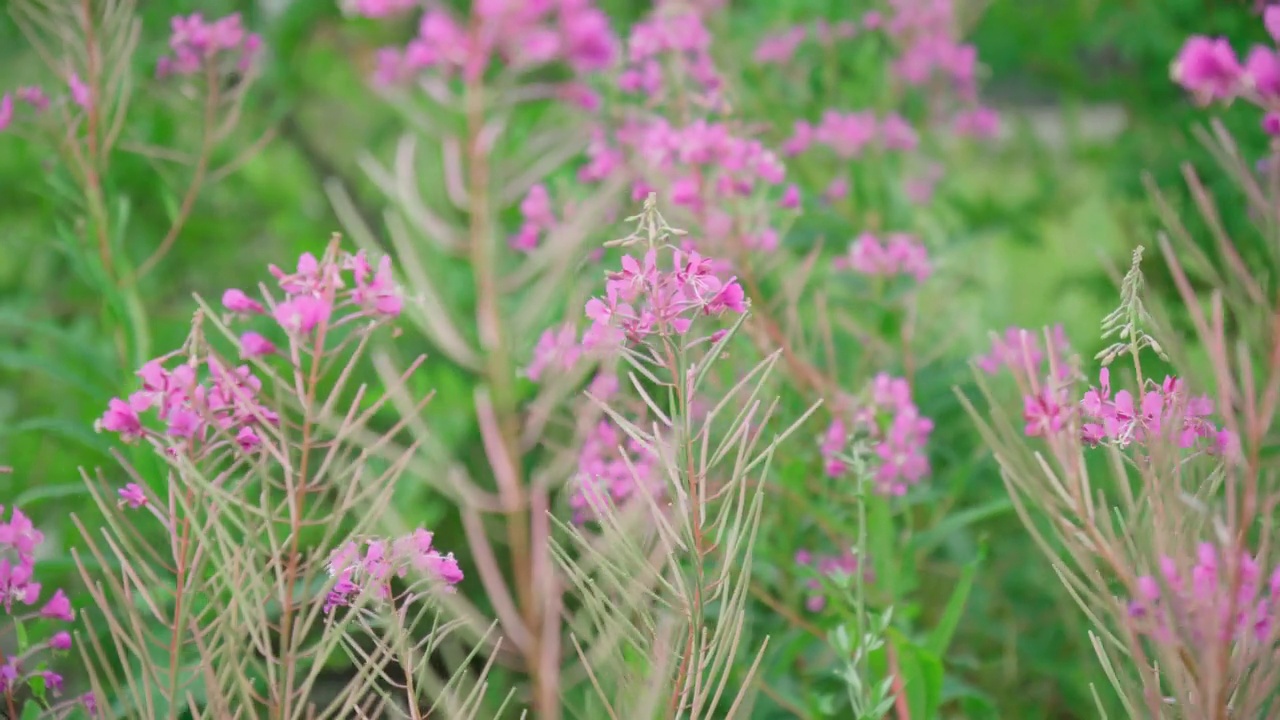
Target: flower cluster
point(1197, 606)
point(925, 30)
point(847, 134)
point(556, 348)
point(317, 291)
point(896, 430)
point(641, 299)
point(612, 468)
point(827, 566)
point(1212, 72)
point(201, 404)
point(199, 407)
point(678, 41)
point(1163, 408)
point(779, 48)
point(1020, 351)
point(897, 254)
point(197, 45)
point(19, 588)
point(371, 571)
point(711, 171)
point(521, 35)
point(538, 217)
point(37, 101)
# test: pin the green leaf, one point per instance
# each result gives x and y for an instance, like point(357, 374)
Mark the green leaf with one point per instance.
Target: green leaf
point(76, 432)
point(50, 492)
point(880, 541)
point(21, 631)
point(921, 673)
point(940, 637)
point(38, 690)
point(32, 710)
point(925, 541)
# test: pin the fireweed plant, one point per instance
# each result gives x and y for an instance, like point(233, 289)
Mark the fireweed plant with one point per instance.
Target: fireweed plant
point(81, 114)
point(1152, 495)
point(656, 110)
point(271, 567)
point(733, 173)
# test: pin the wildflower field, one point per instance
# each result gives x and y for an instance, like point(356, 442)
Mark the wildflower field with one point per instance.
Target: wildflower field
point(631, 359)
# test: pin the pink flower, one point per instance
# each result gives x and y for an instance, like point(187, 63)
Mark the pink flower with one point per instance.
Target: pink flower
point(381, 562)
point(381, 8)
point(80, 93)
point(589, 42)
point(610, 469)
point(897, 134)
point(58, 607)
point(536, 208)
point(902, 254)
point(61, 640)
point(1262, 72)
point(837, 190)
point(1208, 68)
point(132, 495)
point(236, 301)
point(979, 122)
point(381, 293)
point(555, 348)
point(253, 345)
point(780, 48)
point(6, 111)
point(301, 314)
point(790, 198)
point(122, 417)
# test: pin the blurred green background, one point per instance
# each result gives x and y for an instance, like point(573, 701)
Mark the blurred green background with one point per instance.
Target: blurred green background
point(1085, 91)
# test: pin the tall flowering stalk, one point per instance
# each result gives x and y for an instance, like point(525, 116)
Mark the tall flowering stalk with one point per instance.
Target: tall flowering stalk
point(1152, 499)
point(656, 561)
point(38, 653)
point(268, 571)
point(81, 114)
point(461, 80)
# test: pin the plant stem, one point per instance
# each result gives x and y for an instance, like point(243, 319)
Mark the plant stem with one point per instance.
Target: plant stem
point(499, 375)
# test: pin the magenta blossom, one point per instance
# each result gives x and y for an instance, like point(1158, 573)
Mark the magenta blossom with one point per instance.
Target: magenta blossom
point(372, 571)
point(641, 299)
point(1208, 68)
point(612, 468)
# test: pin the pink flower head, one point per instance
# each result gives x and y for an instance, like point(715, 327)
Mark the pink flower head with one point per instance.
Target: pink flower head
point(555, 348)
point(381, 8)
point(236, 301)
point(897, 134)
point(1208, 68)
point(901, 254)
point(301, 314)
point(790, 198)
point(612, 469)
point(6, 111)
point(33, 96)
point(195, 43)
point(122, 417)
point(383, 560)
point(979, 122)
point(780, 48)
point(1262, 72)
point(132, 495)
point(379, 294)
point(61, 640)
point(80, 93)
point(253, 345)
point(1271, 20)
point(536, 207)
point(58, 607)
